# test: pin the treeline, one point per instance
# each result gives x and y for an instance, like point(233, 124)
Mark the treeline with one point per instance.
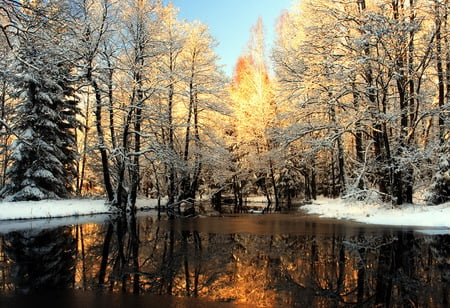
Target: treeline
point(147, 95)
point(366, 86)
point(102, 97)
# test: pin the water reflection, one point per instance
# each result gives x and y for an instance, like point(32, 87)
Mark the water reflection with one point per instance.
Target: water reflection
point(40, 260)
point(286, 261)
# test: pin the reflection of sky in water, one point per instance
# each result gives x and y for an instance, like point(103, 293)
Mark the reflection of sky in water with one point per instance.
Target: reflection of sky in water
point(39, 224)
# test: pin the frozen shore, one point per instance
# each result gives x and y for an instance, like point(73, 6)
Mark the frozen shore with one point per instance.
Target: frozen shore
point(382, 214)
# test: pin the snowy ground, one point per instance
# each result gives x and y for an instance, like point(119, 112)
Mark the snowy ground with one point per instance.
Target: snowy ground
point(51, 208)
point(54, 213)
point(381, 214)
point(59, 208)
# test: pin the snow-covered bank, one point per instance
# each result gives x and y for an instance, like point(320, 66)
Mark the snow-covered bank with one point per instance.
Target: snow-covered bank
point(36, 215)
point(51, 208)
point(382, 214)
point(59, 208)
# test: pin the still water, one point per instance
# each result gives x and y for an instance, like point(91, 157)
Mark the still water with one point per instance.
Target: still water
point(275, 260)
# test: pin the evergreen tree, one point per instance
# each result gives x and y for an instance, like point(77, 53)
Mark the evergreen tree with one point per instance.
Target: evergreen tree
point(44, 153)
point(439, 191)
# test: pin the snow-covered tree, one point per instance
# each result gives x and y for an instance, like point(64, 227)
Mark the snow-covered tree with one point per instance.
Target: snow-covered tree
point(44, 152)
point(439, 191)
point(93, 22)
point(203, 82)
point(360, 77)
point(255, 112)
point(6, 108)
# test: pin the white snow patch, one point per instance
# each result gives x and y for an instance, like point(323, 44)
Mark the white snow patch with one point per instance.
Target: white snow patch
point(63, 208)
point(39, 215)
point(382, 214)
point(52, 208)
point(28, 134)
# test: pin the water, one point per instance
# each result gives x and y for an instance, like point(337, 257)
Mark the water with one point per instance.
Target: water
point(275, 260)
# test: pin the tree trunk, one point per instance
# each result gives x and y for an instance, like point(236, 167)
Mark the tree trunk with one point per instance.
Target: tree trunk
point(308, 193)
point(137, 105)
point(439, 69)
point(442, 114)
point(85, 145)
point(359, 149)
point(274, 185)
point(171, 187)
point(313, 183)
point(379, 142)
point(340, 148)
point(101, 137)
point(197, 162)
point(111, 102)
point(185, 181)
point(120, 198)
point(402, 180)
point(4, 150)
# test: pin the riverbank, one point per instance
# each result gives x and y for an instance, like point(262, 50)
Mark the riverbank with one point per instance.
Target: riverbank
point(382, 214)
point(61, 208)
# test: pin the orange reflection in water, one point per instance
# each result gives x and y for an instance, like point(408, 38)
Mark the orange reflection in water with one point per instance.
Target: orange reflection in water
point(391, 268)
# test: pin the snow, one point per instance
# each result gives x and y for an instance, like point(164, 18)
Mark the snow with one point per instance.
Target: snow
point(51, 208)
point(38, 215)
point(436, 216)
point(61, 208)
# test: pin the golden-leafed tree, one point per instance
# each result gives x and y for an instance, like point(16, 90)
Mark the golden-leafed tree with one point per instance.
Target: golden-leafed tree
point(254, 110)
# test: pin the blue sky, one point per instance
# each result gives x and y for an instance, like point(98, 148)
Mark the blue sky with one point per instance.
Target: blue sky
point(230, 21)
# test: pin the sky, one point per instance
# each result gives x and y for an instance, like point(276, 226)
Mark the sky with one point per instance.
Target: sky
point(230, 22)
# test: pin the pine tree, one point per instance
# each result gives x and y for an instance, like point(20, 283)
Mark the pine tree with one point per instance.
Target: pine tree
point(44, 153)
point(439, 191)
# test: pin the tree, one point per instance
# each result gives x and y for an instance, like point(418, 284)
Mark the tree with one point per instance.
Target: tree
point(44, 153)
point(315, 82)
point(6, 110)
point(203, 82)
point(172, 38)
point(90, 34)
point(360, 72)
point(290, 65)
point(254, 108)
point(141, 30)
point(439, 190)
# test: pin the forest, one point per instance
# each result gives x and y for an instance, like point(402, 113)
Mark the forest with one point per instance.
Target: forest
point(123, 99)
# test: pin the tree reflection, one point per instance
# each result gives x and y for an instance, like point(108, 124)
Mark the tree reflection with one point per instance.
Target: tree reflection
point(119, 265)
point(149, 256)
point(397, 276)
point(41, 260)
point(161, 258)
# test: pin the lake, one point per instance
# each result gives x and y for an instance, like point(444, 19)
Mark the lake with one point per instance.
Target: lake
point(244, 260)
